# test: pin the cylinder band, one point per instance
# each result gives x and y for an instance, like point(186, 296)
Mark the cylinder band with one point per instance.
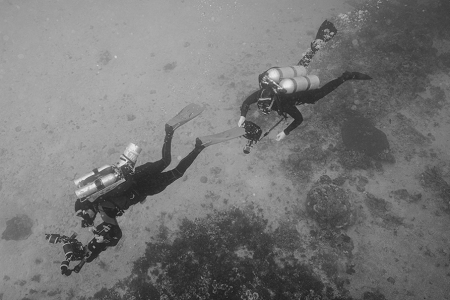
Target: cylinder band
point(309, 83)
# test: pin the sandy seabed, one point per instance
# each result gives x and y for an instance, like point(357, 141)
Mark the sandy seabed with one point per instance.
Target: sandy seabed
point(79, 80)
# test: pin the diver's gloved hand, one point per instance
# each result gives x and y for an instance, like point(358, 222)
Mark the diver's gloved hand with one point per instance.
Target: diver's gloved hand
point(241, 121)
point(87, 216)
point(99, 238)
point(85, 223)
point(280, 136)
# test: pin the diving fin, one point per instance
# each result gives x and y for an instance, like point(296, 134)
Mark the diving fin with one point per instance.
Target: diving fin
point(224, 136)
point(185, 115)
point(325, 33)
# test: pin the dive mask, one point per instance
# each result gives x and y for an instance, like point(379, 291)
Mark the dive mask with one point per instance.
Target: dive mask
point(87, 217)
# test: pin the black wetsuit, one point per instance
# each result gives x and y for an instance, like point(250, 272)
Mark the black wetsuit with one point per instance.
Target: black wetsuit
point(286, 103)
point(147, 180)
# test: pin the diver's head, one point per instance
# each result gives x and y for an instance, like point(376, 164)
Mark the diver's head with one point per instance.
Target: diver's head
point(261, 77)
point(84, 210)
point(264, 81)
point(265, 101)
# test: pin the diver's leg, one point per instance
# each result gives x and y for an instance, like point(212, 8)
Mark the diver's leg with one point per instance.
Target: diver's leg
point(186, 162)
point(315, 95)
point(153, 185)
point(307, 57)
point(167, 147)
point(158, 166)
point(188, 113)
point(107, 235)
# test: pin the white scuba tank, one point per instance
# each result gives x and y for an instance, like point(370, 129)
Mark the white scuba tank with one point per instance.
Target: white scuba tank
point(277, 74)
point(130, 155)
point(96, 173)
point(102, 180)
point(302, 83)
point(97, 185)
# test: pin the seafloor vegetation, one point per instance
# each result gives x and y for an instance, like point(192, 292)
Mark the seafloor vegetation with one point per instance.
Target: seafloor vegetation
point(231, 254)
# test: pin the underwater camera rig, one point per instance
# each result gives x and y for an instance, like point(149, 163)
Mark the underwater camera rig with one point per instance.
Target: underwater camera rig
point(252, 134)
point(73, 251)
point(106, 178)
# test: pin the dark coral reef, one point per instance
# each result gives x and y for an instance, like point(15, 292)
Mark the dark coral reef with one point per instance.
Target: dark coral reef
point(231, 254)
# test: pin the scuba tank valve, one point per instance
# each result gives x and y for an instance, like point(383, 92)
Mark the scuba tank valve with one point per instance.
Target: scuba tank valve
point(130, 155)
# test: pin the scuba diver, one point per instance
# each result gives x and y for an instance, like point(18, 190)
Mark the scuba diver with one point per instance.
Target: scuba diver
point(281, 89)
point(111, 190)
point(99, 193)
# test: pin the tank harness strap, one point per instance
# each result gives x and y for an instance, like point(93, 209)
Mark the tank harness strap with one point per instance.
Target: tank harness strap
point(271, 102)
point(280, 107)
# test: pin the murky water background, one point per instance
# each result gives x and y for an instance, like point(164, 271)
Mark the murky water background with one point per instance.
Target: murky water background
point(79, 81)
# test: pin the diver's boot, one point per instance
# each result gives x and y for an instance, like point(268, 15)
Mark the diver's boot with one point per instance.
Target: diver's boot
point(185, 115)
point(354, 76)
point(169, 131)
point(199, 144)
